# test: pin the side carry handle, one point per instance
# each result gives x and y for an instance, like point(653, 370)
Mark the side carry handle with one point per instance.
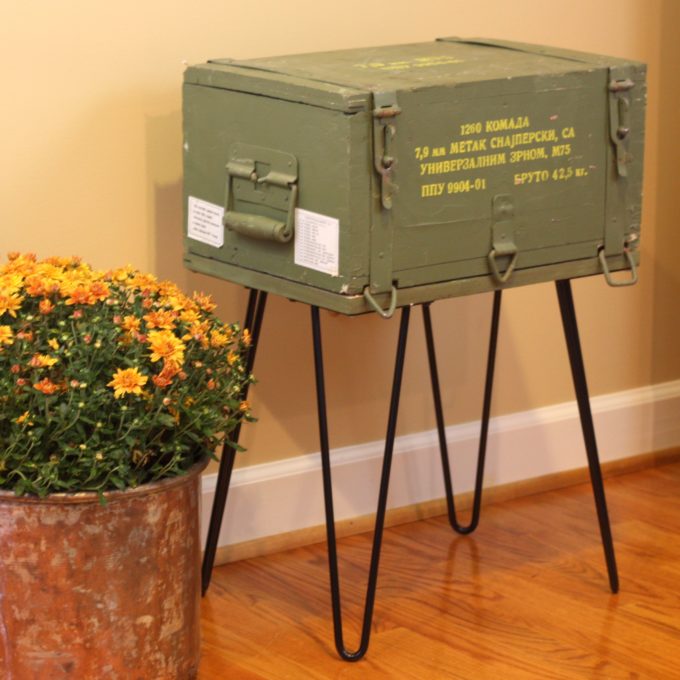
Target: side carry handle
point(253, 225)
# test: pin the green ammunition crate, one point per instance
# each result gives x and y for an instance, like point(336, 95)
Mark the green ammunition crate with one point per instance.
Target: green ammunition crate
point(362, 178)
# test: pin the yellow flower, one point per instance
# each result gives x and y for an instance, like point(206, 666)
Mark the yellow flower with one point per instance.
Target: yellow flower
point(52, 342)
point(247, 337)
point(127, 381)
point(190, 316)
point(218, 339)
point(167, 346)
point(42, 361)
point(232, 358)
point(130, 323)
point(6, 335)
point(9, 302)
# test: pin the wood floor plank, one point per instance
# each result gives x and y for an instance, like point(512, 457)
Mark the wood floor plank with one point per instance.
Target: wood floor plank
point(526, 596)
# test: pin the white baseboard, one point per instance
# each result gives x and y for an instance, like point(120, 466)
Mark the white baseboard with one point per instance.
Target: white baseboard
point(276, 498)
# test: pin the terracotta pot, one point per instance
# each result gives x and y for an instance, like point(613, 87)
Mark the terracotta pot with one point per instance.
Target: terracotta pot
point(93, 592)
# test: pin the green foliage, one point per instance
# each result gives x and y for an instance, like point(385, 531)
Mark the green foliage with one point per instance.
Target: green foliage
point(109, 380)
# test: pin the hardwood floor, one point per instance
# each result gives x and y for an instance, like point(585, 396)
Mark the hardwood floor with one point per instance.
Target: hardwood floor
point(526, 596)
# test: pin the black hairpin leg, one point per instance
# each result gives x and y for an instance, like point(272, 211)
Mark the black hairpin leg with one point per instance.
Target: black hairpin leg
point(581, 387)
point(328, 490)
point(486, 409)
point(253, 322)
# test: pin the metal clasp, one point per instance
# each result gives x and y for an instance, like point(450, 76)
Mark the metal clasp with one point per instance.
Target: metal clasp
point(619, 120)
point(503, 237)
point(383, 134)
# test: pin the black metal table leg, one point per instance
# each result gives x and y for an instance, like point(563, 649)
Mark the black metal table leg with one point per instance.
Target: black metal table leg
point(566, 301)
point(486, 409)
point(382, 496)
point(253, 322)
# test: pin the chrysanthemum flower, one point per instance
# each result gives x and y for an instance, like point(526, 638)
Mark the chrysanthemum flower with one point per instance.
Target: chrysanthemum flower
point(127, 381)
point(6, 335)
point(42, 361)
point(167, 346)
point(10, 302)
point(45, 306)
point(46, 386)
point(163, 319)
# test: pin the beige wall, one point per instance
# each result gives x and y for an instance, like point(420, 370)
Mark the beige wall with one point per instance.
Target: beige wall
point(91, 164)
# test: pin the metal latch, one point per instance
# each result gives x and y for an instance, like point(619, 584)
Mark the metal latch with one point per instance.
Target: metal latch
point(503, 237)
point(263, 178)
point(385, 110)
point(619, 120)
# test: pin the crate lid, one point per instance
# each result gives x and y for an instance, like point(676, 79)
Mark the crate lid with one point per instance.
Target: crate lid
point(346, 79)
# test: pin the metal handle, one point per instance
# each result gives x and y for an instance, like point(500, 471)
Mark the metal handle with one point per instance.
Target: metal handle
point(386, 314)
point(608, 276)
point(259, 226)
point(502, 278)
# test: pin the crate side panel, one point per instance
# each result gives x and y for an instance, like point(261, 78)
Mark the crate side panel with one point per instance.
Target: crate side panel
point(334, 178)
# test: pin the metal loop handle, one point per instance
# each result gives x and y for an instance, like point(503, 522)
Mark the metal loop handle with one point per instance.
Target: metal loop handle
point(386, 314)
point(259, 226)
point(615, 283)
point(505, 276)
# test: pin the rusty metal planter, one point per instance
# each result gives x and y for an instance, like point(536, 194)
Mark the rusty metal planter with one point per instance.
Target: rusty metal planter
point(93, 591)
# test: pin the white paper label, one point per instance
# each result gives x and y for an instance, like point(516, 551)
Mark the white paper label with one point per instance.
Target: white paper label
point(317, 242)
point(204, 222)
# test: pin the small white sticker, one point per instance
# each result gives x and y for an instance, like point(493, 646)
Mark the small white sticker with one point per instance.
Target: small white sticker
point(317, 242)
point(204, 222)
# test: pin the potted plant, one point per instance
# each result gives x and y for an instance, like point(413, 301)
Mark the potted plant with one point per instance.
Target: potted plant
point(115, 389)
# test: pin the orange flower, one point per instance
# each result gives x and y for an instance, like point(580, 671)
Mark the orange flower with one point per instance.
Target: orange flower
point(211, 385)
point(247, 338)
point(167, 346)
point(161, 319)
point(204, 302)
point(127, 381)
point(23, 417)
point(45, 306)
point(164, 378)
point(98, 291)
point(161, 380)
point(46, 386)
point(35, 286)
point(232, 358)
point(6, 335)
point(80, 295)
point(42, 361)
point(244, 406)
